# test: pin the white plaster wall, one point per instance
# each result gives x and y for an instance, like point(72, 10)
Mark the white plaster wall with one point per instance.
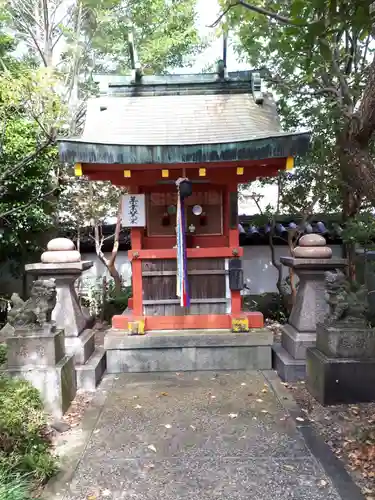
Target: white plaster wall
point(98, 269)
point(259, 273)
point(260, 276)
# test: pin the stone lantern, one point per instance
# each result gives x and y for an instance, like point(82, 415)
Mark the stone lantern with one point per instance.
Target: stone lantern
point(63, 262)
point(312, 258)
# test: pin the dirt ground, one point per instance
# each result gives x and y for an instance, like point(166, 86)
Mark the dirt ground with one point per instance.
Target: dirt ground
point(349, 430)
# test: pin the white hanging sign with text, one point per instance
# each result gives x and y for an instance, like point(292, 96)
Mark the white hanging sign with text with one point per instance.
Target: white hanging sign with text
point(134, 210)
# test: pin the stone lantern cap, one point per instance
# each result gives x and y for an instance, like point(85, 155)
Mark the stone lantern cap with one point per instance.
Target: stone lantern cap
point(312, 252)
point(61, 257)
point(60, 250)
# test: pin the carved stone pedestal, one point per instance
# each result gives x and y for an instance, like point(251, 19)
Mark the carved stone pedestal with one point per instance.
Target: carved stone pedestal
point(309, 309)
point(90, 362)
point(341, 368)
point(36, 349)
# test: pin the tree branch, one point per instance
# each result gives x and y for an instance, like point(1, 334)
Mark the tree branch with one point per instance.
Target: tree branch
point(25, 161)
point(116, 235)
point(30, 202)
point(260, 10)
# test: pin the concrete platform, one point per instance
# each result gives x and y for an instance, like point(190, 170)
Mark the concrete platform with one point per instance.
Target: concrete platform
point(188, 351)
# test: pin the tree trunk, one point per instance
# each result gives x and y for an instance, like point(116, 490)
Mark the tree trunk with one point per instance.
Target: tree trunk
point(358, 168)
point(116, 278)
point(351, 204)
point(356, 163)
point(110, 263)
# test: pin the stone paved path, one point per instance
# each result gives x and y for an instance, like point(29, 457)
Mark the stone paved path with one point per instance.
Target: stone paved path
point(198, 436)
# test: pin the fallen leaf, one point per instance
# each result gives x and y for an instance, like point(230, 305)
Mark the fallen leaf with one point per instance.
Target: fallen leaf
point(264, 391)
point(163, 394)
point(233, 415)
point(243, 384)
point(151, 447)
point(149, 466)
point(92, 497)
point(259, 400)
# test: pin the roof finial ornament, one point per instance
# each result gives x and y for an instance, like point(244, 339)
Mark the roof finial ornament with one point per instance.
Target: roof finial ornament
point(222, 63)
point(256, 87)
point(136, 66)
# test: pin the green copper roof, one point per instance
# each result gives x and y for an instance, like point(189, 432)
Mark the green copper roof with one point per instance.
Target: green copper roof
point(182, 119)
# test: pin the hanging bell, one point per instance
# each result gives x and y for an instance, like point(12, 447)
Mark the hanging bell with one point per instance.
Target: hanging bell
point(186, 188)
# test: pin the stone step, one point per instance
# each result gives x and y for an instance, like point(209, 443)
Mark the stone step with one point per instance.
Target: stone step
point(288, 368)
point(90, 374)
point(81, 347)
point(188, 351)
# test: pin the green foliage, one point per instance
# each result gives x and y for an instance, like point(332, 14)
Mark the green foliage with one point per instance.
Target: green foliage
point(28, 159)
point(116, 303)
point(102, 299)
point(361, 230)
point(24, 443)
point(13, 487)
point(316, 60)
point(165, 34)
point(271, 305)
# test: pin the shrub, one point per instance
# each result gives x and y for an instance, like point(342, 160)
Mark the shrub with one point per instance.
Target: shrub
point(13, 487)
point(271, 305)
point(24, 443)
point(116, 303)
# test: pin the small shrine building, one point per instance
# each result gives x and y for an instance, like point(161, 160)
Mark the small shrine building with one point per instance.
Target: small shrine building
point(211, 132)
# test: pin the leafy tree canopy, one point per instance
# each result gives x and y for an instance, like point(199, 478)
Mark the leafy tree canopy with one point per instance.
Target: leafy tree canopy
point(319, 57)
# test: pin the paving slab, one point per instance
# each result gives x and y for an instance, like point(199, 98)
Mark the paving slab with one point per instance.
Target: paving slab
point(199, 436)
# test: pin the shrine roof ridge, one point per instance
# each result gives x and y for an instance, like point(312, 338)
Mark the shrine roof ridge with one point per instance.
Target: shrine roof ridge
point(233, 82)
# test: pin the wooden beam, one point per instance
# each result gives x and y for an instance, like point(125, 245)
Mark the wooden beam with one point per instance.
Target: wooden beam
point(190, 273)
point(192, 301)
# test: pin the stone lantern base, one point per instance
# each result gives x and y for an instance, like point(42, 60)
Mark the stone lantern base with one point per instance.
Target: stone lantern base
point(89, 361)
point(289, 358)
point(38, 356)
point(341, 368)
